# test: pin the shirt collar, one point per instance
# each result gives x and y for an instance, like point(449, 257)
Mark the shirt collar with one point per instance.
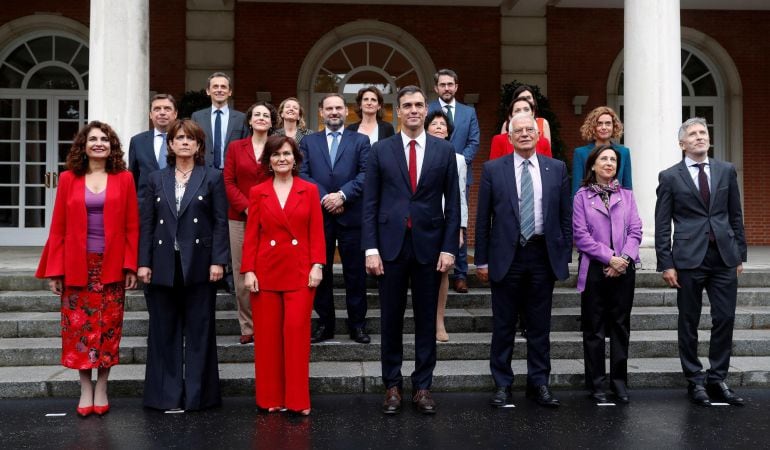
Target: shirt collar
point(157, 132)
point(689, 162)
point(453, 103)
point(225, 109)
point(328, 131)
point(518, 160)
point(420, 140)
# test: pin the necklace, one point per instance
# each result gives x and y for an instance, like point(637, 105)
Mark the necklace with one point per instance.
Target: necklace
point(185, 175)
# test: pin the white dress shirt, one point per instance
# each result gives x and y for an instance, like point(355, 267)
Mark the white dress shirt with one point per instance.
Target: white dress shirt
point(419, 146)
point(692, 166)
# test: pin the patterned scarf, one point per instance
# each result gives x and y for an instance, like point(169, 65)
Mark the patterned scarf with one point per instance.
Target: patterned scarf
point(605, 190)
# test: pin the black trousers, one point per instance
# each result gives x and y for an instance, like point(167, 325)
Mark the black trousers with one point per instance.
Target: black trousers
point(404, 272)
point(348, 240)
point(182, 369)
point(721, 284)
point(605, 309)
point(528, 285)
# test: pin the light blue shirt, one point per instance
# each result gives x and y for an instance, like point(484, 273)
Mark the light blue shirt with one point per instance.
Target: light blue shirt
point(225, 119)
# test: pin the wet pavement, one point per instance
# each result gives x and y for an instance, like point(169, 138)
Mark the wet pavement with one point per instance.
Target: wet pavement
point(656, 418)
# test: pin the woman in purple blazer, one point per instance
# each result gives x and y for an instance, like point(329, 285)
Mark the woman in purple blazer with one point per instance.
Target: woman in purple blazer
point(607, 232)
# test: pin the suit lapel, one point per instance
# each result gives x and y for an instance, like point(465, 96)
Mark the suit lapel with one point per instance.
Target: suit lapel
point(345, 143)
point(510, 182)
point(716, 177)
point(149, 143)
point(273, 205)
point(230, 126)
point(400, 159)
point(546, 181)
point(322, 145)
point(196, 179)
point(295, 198)
point(427, 162)
point(684, 172)
point(206, 125)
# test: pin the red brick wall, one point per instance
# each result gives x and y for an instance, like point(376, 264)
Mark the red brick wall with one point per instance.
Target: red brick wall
point(271, 44)
point(579, 60)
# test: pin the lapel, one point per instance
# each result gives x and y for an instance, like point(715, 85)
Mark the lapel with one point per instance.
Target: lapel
point(271, 203)
point(206, 124)
point(167, 180)
point(400, 158)
point(684, 172)
point(509, 175)
point(248, 148)
point(296, 197)
point(345, 143)
point(716, 177)
point(196, 179)
point(429, 155)
point(598, 205)
point(546, 183)
point(149, 143)
point(231, 118)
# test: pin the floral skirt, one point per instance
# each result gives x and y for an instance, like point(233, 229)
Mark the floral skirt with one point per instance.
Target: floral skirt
point(92, 321)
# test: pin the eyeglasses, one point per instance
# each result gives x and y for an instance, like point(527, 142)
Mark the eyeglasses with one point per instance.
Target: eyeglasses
point(519, 131)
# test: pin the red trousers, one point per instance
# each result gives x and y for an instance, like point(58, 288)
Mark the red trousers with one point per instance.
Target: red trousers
point(282, 348)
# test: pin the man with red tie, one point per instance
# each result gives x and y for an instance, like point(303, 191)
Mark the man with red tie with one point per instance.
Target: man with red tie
point(409, 241)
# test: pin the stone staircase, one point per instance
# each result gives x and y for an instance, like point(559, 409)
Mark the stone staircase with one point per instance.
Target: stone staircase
point(30, 342)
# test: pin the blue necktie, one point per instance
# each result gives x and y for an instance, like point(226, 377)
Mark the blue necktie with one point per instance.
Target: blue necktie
point(218, 139)
point(335, 146)
point(163, 151)
point(527, 211)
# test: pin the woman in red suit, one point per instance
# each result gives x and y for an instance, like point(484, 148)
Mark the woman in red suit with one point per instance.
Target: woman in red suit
point(90, 257)
point(284, 252)
point(243, 170)
point(501, 144)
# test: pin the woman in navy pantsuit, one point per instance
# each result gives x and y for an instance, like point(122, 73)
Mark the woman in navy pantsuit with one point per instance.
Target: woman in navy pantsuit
point(183, 248)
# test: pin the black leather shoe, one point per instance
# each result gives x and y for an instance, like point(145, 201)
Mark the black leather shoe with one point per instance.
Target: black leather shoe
point(423, 401)
point(721, 392)
point(543, 396)
point(392, 402)
point(321, 334)
point(360, 336)
point(599, 396)
point(622, 397)
point(621, 391)
point(698, 394)
point(501, 397)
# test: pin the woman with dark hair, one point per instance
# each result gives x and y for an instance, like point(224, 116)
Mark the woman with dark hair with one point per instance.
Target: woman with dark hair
point(369, 101)
point(243, 170)
point(526, 92)
point(90, 257)
point(437, 124)
point(501, 143)
point(284, 252)
point(183, 249)
point(601, 126)
point(607, 231)
point(291, 120)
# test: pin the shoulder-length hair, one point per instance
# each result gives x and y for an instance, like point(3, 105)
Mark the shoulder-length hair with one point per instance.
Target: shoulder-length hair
point(191, 129)
point(360, 98)
point(526, 88)
point(273, 144)
point(301, 125)
point(439, 113)
point(275, 118)
point(77, 160)
point(588, 129)
point(590, 175)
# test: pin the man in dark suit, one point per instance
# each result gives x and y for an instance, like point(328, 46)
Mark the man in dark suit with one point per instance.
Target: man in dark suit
point(410, 240)
point(523, 244)
point(700, 195)
point(336, 161)
point(148, 149)
point(220, 123)
point(465, 140)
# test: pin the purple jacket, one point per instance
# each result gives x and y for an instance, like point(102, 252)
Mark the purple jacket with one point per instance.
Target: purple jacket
point(592, 228)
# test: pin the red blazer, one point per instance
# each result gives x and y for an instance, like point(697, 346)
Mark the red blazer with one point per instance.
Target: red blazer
point(281, 245)
point(242, 172)
point(501, 146)
point(65, 251)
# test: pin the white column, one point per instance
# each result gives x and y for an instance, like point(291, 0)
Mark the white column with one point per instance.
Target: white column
point(652, 101)
point(119, 66)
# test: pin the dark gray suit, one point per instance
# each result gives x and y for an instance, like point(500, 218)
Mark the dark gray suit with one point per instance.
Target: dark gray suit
point(700, 261)
point(236, 129)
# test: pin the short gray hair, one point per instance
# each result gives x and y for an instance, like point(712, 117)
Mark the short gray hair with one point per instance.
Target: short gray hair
point(222, 75)
point(522, 115)
point(690, 122)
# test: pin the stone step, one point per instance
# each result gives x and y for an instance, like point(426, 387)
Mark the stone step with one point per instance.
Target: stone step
point(458, 320)
point(364, 377)
point(462, 346)
point(45, 301)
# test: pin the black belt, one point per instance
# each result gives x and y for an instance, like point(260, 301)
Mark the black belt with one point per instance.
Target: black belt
point(535, 238)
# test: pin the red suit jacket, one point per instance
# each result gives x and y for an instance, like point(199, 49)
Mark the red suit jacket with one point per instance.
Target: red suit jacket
point(281, 245)
point(65, 251)
point(241, 173)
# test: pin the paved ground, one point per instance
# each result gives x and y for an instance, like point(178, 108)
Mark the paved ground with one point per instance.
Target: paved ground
point(655, 419)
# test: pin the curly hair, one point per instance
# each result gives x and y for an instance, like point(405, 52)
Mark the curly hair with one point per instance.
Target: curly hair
point(273, 144)
point(190, 129)
point(77, 160)
point(275, 119)
point(588, 129)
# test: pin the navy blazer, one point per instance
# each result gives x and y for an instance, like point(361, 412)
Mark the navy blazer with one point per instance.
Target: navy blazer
point(465, 137)
point(388, 201)
point(497, 217)
point(679, 201)
point(141, 160)
point(200, 228)
point(346, 176)
point(236, 129)
point(384, 129)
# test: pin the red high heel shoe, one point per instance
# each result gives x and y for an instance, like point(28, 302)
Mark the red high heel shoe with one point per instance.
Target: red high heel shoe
point(102, 410)
point(85, 411)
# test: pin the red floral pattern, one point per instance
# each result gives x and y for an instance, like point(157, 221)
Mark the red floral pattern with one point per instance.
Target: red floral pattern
point(92, 321)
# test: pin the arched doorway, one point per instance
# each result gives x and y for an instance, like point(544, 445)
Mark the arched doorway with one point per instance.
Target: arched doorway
point(358, 54)
point(43, 103)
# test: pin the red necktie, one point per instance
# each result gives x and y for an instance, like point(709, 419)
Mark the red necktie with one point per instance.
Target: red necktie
point(413, 164)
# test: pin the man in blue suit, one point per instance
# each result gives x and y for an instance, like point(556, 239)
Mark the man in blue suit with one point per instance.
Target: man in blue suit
point(220, 123)
point(523, 244)
point(410, 240)
point(335, 160)
point(147, 150)
point(465, 140)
